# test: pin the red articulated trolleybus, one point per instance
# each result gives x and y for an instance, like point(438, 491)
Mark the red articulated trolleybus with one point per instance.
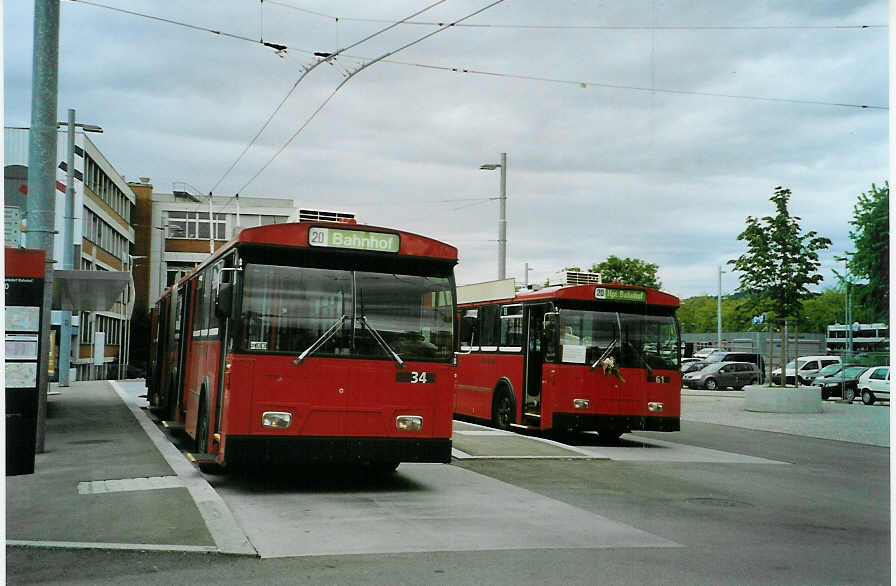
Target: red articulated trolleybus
point(601, 357)
point(311, 342)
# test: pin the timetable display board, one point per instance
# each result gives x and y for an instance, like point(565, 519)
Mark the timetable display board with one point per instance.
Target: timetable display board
point(24, 281)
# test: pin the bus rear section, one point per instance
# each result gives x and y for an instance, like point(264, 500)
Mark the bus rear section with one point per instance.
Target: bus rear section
point(302, 353)
point(569, 358)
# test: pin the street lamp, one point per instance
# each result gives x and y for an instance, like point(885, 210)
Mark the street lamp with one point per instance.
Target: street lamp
point(847, 303)
point(68, 252)
point(502, 213)
point(162, 230)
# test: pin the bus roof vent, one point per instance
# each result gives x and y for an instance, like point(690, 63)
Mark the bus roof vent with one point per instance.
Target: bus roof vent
point(322, 216)
point(564, 278)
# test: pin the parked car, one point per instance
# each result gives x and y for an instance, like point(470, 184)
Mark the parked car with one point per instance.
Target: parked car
point(725, 356)
point(874, 384)
point(692, 366)
point(807, 368)
point(839, 380)
point(719, 375)
point(704, 352)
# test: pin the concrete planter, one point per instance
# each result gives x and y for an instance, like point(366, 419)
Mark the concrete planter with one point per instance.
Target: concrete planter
point(782, 399)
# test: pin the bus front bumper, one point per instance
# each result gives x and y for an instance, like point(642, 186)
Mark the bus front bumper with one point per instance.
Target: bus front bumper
point(592, 422)
point(347, 450)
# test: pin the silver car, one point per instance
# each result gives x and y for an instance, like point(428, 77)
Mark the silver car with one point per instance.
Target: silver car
point(719, 375)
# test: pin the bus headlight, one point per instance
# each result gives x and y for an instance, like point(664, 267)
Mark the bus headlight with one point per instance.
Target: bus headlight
point(276, 419)
point(655, 407)
point(581, 403)
point(409, 423)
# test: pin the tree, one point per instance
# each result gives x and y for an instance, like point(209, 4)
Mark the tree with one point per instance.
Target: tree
point(871, 239)
point(780, 261)
point(632, 271)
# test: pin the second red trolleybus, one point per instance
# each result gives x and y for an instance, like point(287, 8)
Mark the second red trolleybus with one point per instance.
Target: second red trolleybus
point(601, 357)
point(311, 342)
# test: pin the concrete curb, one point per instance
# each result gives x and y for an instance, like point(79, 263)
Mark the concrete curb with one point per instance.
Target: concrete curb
point(228, 535)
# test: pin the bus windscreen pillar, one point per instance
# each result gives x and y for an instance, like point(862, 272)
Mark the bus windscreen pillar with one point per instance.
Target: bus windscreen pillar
point(24, 293)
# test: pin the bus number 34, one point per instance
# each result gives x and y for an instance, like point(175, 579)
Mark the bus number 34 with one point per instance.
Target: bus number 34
point(415, 377)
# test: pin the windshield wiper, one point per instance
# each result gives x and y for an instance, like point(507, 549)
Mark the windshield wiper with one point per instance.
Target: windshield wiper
point(379, 339)
point(605, 354)
point(320, 341)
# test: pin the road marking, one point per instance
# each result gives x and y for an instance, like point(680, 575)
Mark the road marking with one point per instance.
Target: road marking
point(129, 484)
point(228, 536)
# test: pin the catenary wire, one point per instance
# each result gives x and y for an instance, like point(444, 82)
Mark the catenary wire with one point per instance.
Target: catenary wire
point(306, 71)
point(588, 26)
point(351, 75)
point(505, 75)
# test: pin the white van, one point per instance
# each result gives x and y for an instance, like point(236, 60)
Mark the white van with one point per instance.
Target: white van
point(807, 368)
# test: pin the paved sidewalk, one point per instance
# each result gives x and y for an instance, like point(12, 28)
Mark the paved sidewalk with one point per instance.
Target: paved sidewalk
point(102, 482)
point(856, 422)
point(110, 479)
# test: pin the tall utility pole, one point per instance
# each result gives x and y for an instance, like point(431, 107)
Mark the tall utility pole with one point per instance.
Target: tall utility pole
point(65, 331)
point(719, 312)
point(40, 207)
point(502, 214)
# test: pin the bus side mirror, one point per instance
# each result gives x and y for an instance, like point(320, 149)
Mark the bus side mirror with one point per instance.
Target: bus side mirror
point(224, 302)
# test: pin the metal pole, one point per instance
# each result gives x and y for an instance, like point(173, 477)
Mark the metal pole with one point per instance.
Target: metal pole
point(65, 331)
point(161, 259)
point(40, 207)
point(211, 226)
point(719, 313)
point(502, 221)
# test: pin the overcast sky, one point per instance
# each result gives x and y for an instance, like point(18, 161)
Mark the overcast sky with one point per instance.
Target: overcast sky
point(598, 164)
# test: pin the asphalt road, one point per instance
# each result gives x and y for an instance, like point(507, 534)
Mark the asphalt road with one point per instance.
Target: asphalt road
point(711, 504)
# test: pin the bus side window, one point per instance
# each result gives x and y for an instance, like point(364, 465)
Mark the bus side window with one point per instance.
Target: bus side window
point(548, 337)
point(469, 326)
point(489, 328)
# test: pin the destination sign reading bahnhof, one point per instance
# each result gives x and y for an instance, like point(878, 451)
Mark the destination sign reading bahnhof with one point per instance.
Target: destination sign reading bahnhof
point(353, 239)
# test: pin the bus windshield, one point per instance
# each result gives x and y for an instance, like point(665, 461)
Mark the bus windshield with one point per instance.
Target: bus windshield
point(633, 340)
point(288, 309)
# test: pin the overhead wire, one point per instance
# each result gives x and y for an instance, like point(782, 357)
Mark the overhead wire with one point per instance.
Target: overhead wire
point(580, 83)
point(308, 69)
point(585, 84)
point(357, 71)
point(585, 26)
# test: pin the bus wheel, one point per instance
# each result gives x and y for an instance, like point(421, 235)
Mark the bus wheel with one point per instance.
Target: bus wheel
point(503, 409)
point(202, 427)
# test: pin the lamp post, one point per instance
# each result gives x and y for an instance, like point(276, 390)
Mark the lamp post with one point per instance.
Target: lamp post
point(719, 312)
point(502, 213)
point(68, 254)
point(162, 230)
point(847, 303)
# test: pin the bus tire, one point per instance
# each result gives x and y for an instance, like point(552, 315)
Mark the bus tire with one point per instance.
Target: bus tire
point(503, 408)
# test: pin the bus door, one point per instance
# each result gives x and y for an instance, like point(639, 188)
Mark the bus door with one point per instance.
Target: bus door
point(534, 356)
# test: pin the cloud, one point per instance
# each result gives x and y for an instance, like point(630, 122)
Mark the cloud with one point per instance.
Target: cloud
point(663, 176)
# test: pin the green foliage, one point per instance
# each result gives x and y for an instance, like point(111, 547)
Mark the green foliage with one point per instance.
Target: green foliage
point(780, 261)
point(632, 271)
point(871, 260)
